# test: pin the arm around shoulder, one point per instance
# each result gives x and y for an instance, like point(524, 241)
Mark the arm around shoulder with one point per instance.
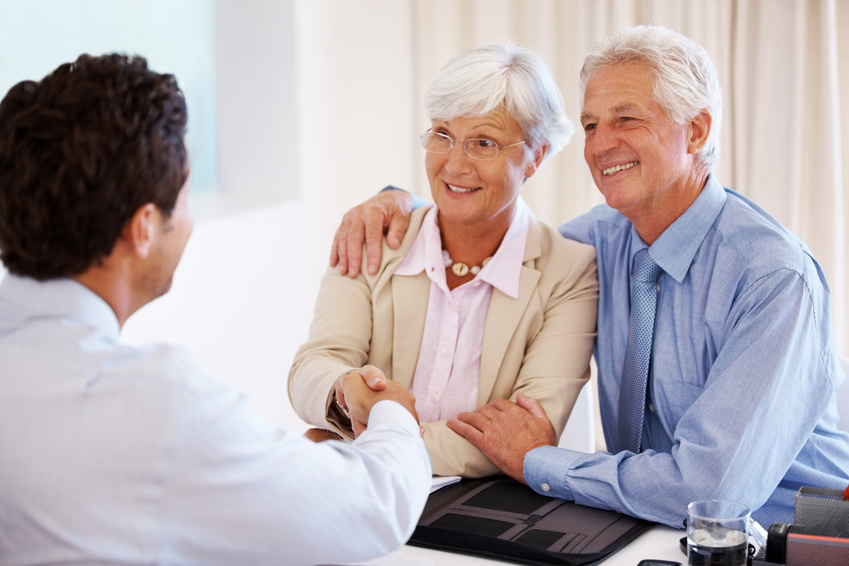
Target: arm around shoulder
point(387, 213)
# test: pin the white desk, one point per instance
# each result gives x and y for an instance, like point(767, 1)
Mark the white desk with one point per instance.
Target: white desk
point(659, 542)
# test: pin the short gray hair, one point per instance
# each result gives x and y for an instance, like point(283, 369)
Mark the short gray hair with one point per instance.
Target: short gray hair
point(481, 80)
point(686, 80)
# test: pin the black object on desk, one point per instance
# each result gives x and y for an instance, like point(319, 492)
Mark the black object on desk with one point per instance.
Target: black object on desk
point(500, 518)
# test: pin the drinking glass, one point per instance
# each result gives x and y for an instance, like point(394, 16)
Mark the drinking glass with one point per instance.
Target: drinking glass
point(717, 533)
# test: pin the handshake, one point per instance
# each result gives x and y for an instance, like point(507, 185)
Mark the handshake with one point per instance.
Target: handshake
point(355, 393)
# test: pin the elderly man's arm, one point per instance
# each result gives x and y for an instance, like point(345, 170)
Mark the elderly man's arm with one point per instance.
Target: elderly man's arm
point(764, 395)
point(505, 431)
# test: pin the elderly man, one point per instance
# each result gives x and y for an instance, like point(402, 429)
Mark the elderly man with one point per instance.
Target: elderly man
point(716, 362)
point(123, 455)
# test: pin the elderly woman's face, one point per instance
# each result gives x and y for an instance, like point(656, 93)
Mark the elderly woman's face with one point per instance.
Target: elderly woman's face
point(472, 191)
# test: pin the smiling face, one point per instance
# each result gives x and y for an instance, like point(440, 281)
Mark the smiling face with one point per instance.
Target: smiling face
point(476, 193)
point(641, 162)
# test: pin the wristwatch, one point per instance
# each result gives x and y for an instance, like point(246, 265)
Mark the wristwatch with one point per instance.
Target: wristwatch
point(338, 415)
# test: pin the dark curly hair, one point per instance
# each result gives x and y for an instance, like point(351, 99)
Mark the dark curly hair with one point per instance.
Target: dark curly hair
point(80, 152)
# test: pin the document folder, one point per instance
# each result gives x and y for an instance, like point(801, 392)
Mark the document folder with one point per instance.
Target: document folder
point(500, 518)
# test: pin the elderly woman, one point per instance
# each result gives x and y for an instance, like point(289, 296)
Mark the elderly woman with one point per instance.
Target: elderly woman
point(480, 301)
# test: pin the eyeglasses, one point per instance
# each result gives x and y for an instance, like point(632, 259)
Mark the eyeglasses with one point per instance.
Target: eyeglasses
point(476, 148)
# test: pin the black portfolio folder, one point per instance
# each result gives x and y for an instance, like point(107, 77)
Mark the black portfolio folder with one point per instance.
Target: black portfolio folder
point(500, 518)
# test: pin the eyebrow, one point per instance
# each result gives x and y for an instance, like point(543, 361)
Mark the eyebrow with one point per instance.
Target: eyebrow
point(483, 129)
point(623, 108)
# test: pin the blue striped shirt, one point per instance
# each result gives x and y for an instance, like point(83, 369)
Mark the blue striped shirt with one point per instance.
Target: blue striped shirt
point(741, 400)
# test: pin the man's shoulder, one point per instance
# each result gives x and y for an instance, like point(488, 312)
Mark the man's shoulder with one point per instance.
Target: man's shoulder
point(757, 237)
point(172, 362)
point(554, 245)
point(169, 369)
point(600, 222)
point(169, 361)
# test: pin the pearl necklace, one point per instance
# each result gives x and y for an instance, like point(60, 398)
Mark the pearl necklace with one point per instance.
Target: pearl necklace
point(459, 268)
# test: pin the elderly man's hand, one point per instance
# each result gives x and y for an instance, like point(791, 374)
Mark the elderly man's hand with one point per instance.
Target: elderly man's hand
point(505, 431)
point(387, 211)
point(358, 392)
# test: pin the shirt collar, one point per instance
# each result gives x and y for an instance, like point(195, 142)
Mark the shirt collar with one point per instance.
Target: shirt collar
point(676, 248)
point(63, 298)
point(503, 271)
point(421, 251)
point(505, 268)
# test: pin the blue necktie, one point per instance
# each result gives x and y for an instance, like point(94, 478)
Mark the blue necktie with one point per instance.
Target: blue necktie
point(632, 390)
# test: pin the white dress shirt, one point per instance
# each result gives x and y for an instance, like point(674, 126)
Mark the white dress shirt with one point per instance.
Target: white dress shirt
point(113, 454)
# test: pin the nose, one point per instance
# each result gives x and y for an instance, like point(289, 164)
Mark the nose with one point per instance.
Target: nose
point(457, 160)
point(602, 140)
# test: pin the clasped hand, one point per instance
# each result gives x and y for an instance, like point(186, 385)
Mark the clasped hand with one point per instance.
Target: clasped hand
point(358, 391)
point(502, 430)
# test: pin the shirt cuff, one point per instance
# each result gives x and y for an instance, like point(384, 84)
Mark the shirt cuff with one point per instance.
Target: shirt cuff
point(390, 412)
point(546, 470)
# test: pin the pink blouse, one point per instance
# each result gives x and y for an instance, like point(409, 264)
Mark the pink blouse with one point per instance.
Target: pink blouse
point(448, 368)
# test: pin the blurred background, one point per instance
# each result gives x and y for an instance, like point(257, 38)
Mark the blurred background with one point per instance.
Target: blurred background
point(300, 109)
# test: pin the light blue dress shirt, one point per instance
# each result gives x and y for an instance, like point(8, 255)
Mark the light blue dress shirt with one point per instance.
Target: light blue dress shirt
point(741, 398)
point(112, 454)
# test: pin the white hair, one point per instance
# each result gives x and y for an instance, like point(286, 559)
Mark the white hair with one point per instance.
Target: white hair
point(686, 81)
point(481, 80)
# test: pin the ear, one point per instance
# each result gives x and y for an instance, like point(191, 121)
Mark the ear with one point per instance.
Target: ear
point(141, 230)
point(698, 131)
point(534, 165)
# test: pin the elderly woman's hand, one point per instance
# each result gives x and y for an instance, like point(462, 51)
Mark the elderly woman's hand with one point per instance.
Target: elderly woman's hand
point(386, 212)
point(358, 391)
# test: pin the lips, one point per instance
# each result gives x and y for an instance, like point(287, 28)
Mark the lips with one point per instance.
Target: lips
point(461, 190)
point(617, 168)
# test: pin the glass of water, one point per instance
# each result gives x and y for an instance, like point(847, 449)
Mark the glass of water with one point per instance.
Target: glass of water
point(717, 533)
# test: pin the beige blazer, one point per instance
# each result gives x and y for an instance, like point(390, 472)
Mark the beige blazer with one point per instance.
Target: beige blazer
point(539, 344)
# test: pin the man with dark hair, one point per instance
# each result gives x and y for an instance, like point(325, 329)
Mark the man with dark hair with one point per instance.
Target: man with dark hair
point(117, 454)
point(65, 137)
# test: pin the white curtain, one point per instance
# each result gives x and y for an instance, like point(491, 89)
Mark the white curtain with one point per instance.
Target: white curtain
point(784, 74)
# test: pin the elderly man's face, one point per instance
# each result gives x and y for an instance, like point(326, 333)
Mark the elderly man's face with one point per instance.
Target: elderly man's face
point(639, 160)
